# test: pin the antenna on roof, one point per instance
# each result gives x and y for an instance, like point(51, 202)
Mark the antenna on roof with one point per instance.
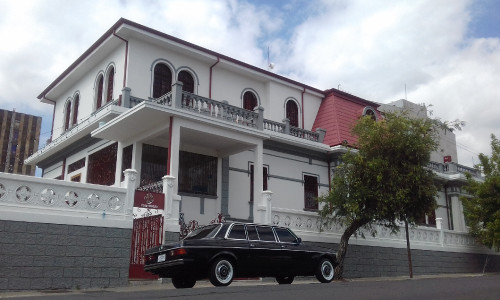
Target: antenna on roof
point(270, 65)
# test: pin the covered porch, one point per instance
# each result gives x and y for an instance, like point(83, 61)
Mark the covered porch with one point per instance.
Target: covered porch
point(181, 153)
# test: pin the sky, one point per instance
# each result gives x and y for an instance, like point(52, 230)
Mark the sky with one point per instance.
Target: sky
point(442, 53)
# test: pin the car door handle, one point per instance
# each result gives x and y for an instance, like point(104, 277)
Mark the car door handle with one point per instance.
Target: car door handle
point(252, 246)
point(283, 246)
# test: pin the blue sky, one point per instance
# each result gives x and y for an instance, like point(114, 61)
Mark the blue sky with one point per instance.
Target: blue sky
point(445, 52)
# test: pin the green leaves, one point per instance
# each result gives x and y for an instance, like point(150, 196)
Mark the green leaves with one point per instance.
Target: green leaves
point(482, 208)
point(386, 177)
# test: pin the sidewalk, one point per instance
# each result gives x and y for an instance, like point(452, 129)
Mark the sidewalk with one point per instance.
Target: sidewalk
point(148, 285)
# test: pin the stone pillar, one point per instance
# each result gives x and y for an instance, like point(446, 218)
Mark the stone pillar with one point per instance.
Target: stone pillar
point(260, 121)
point(126, 97)
point(287, 126)
point(321, 134)
point(439, 226)
point(130, 185)
point(172, 206)
point(177, 94)
point(267, 203)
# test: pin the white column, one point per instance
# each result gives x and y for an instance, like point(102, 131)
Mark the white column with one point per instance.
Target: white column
point(137, 158)
point(119, 159)
point(130, 184)
point(458, 214)
point(439, 226)
point(267, 203)
point(172, 205)
point(258, 215)
point(174, 152)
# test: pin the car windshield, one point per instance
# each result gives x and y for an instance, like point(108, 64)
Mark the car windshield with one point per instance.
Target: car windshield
point(206, 231)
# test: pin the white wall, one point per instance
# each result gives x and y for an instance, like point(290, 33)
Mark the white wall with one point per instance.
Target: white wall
point(285, 180)
point(86, 87)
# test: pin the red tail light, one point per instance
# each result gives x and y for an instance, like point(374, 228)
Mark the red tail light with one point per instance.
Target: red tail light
point(177, 252)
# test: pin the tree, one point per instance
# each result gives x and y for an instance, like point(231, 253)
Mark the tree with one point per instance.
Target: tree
point(385, 181)
point(482, 208)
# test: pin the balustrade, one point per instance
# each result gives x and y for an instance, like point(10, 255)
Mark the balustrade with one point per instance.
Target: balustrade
point(20, 195)
point(224, 111)
point(311, 222)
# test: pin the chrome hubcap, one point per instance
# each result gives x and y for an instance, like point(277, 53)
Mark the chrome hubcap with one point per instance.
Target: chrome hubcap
point(327, 270)
point(224, 271)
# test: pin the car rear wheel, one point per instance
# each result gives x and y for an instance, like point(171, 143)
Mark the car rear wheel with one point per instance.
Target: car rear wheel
point(183, 282)
point(285, 279)
point(221, 272)
point(325, 270)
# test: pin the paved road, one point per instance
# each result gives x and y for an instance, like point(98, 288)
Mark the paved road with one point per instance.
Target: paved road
point(475, 287)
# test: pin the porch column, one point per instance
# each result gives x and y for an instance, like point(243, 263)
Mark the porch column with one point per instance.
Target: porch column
point(173, 151)
point(458, 213)
point(118, 169)
point(258, 213)
point(171, 209)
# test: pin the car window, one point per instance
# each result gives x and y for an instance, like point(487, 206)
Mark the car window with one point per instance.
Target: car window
point(237, 232)
point(206, 231)
point(252, 233)
point(285, 236)
point(266, 233)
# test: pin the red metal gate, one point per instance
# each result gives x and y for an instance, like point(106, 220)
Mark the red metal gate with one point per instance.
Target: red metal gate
point(147, 232)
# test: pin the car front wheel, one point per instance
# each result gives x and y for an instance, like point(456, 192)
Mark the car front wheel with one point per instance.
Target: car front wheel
point(285, 280)
point(325, 270)
point(183, 282)
point(221, 272)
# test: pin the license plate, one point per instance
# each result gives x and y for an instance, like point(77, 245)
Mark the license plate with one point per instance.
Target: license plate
point(161, 257)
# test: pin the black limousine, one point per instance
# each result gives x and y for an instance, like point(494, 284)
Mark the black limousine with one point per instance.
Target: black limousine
point(222, 252)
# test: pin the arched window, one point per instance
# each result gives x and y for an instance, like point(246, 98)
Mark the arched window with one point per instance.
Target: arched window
point(162, 82)
point(249, 101)
point(76, 103)
point(187, 81)
point(292, 113)
point(370, 111)
point(67, 115)
point(100, 84)
point(109, 92)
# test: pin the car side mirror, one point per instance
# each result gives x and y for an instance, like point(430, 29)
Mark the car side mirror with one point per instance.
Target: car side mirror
point(299, 240)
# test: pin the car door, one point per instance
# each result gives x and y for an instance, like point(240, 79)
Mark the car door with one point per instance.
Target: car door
point(236, 242)
point(265, 250)
point(293, 258)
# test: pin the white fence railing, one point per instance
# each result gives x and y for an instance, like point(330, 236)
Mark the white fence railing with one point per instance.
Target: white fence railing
point(33, 199)
point(309, 226)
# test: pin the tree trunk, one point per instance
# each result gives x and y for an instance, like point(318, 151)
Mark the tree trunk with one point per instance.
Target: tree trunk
point(344, 242)
point(408, 249)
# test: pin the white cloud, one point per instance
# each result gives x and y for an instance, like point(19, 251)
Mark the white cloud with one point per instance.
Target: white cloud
point(371, 48)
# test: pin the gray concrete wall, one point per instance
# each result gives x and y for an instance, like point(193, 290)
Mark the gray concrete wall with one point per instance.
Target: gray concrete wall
point(36, 256)
point(369, 261)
